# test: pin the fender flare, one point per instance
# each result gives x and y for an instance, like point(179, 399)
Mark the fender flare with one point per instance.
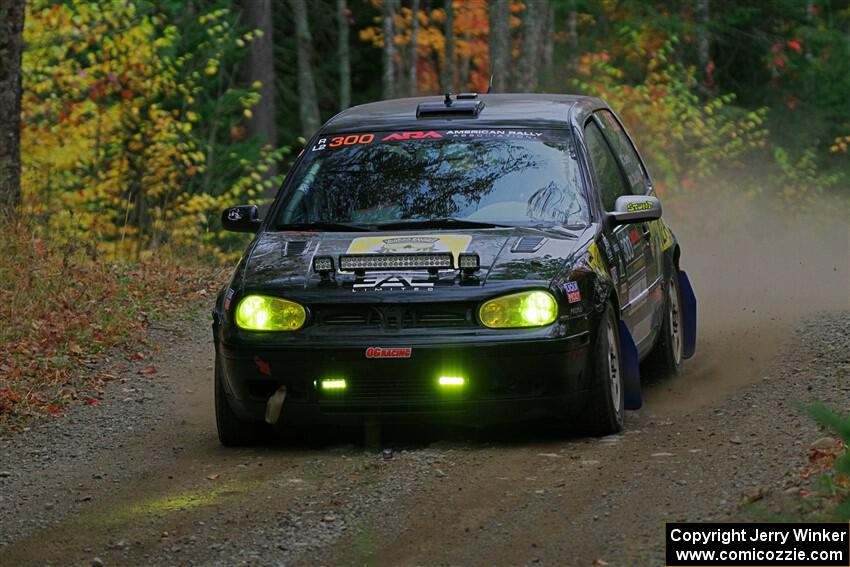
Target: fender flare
point(633, 398)
point(689, 315)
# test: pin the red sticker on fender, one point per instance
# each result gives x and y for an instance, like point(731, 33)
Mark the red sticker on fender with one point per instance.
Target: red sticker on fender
point(381, 352)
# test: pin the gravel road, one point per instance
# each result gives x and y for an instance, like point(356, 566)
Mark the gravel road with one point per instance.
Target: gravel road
point(141, 479)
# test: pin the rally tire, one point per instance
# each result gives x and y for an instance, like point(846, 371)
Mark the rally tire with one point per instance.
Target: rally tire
point(605, 403)
point(233, 431)
point(667, 356)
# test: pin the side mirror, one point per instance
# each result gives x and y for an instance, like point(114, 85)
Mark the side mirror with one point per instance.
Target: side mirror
point(244, 218)
point(634, 208)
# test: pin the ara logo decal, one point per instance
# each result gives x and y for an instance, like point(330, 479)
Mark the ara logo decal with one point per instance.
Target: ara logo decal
point(398, 283)
point(228, 297)
point(381, 352)
point(411, 136)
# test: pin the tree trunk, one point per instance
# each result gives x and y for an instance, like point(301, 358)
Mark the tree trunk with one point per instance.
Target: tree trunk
point(388, 80)
point(548, 55)
point(464, 64)
point(11, 33)
point(412, 86)
point(703, 20)
point(343, 54)
point(449, 59)
point(500, 45)
point(257, 15)
point(572, 25)
point(528, 65)
point(308, 105)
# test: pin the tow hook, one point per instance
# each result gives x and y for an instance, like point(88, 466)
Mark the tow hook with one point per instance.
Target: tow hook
point(274, 405)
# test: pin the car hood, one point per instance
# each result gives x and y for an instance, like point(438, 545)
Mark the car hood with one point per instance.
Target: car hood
point(283, 260)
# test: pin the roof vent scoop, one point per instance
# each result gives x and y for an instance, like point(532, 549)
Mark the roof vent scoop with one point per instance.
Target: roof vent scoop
point(464, 106)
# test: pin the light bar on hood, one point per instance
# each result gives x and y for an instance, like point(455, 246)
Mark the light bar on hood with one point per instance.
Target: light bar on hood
point(436, 261)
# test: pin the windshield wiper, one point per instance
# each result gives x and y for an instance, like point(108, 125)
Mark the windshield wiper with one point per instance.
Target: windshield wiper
point(327, 226)
point(438, 223)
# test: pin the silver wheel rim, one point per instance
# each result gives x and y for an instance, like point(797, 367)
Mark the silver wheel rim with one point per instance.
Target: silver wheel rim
point(675, 321)
point(614, 368)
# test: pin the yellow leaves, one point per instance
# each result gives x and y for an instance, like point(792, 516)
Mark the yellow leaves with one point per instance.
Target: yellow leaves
point(247, 113)
point(840, 145)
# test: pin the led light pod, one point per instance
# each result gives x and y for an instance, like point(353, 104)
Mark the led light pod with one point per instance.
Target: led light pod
point(525, 309)
point(333, 384)
point(265, 313)
point(451, 381)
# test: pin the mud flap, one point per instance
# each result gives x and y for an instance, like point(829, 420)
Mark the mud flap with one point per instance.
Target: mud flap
point(631, 369)
point(689, 315)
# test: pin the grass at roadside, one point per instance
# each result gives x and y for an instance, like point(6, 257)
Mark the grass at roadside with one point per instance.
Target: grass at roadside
point(63, 307)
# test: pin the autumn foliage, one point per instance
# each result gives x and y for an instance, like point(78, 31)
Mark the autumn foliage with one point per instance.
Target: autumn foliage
point(129, 127)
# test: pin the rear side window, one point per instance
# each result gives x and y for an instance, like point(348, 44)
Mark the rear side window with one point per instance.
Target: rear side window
point(611, 182)
point(625, 152)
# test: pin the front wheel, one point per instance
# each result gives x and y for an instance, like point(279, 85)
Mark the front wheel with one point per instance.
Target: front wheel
point(232, 430)
point(603, 411)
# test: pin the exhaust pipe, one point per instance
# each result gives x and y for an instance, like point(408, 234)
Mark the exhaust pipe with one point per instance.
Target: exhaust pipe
point(274, 405)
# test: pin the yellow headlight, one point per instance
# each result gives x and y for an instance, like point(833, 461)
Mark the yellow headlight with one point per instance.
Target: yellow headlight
point(525, 309)
point(264, 313)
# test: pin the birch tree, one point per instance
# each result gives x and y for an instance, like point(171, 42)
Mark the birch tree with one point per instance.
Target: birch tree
point(388, 81)
point(307, 103)
point(500, 44)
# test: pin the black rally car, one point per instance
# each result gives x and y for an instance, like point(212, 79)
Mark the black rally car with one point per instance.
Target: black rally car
point(473, 258)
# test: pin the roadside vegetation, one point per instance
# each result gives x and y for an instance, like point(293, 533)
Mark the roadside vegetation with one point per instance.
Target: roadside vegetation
point(831, 465)
point(65, 308)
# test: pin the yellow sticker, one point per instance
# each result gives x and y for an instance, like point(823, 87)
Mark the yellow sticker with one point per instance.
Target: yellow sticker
point(660, 232)
point(410, 244)
point(594, 260)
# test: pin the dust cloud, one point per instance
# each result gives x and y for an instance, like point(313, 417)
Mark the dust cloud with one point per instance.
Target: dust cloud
point(756, 269)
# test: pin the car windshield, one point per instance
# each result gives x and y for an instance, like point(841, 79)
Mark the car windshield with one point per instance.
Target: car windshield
point(511, 177)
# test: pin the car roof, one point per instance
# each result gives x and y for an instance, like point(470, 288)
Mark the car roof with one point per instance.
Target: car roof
point(527, 110)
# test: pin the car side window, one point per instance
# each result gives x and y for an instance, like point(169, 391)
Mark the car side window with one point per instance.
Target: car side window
point(625, 152)
point(611, 182)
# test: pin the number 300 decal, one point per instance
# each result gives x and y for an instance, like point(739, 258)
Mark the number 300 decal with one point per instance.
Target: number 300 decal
point(339, 141)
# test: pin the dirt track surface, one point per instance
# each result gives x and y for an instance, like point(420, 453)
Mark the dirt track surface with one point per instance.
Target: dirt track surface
point(141, 479)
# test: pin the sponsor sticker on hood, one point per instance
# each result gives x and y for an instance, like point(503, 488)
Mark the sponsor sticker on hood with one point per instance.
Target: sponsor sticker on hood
point(408, 244)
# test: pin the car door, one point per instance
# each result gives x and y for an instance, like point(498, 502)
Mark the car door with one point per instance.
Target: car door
point(648, 307)
point(626, 240)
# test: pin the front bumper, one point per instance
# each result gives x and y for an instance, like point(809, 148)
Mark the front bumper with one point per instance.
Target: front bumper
point(506, 380)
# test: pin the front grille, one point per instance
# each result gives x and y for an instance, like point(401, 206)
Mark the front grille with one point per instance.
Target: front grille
point(414, 316)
